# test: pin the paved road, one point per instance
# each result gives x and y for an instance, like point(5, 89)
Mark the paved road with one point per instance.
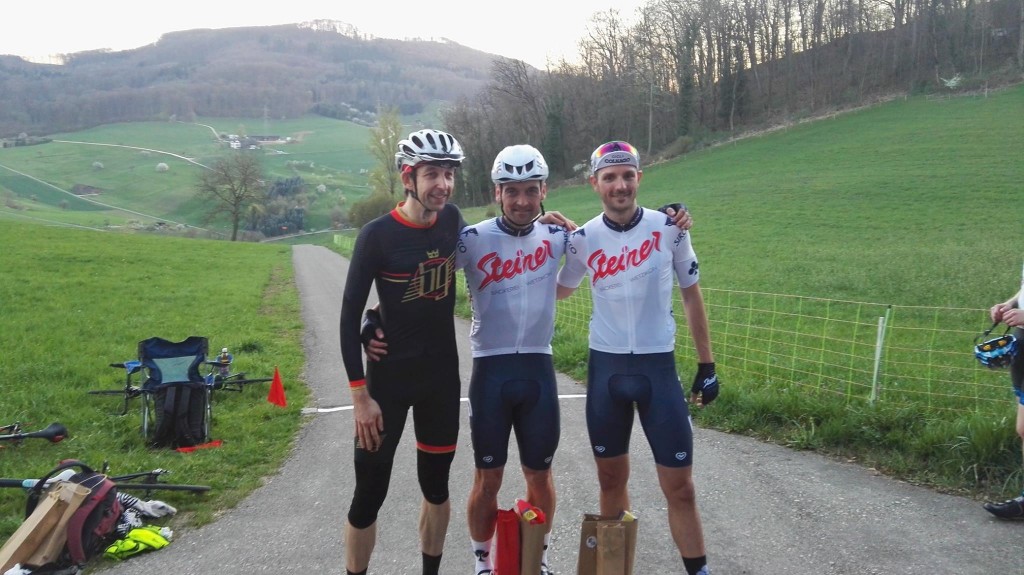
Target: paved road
point(766, 509)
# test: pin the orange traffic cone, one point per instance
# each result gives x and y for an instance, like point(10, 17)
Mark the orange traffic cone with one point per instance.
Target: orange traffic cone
point(276, 395)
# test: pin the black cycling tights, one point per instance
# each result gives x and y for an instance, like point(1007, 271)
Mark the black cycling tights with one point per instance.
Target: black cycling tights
point(373, 474)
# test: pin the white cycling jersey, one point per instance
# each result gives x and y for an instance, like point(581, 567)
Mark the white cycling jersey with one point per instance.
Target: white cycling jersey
point(1020, 294)
point(511, 281)
point(631, 269)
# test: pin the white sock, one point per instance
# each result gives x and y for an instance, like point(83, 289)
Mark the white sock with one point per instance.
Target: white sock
point(482, 552)
point(544, 555)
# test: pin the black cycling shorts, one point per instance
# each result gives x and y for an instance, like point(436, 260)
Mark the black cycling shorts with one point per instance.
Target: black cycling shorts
point(618, 382)
point(430, 386)
point(514, 391)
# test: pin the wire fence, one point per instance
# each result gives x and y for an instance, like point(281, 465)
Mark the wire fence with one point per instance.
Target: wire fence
point(860, 351)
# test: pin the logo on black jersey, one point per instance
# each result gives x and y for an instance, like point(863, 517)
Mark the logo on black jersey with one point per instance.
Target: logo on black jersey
point(433, 278)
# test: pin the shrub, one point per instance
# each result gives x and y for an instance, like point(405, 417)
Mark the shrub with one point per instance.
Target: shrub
point(370, 208)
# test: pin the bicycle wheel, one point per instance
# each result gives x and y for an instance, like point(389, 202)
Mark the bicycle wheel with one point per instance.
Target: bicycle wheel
point(130, 486)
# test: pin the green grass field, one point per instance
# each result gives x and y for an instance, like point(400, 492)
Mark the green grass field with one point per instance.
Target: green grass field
point(913, 203)
point(75, 301)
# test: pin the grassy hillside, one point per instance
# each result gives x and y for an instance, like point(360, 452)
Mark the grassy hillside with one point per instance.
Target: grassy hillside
point(915, 202)
point(119, 163)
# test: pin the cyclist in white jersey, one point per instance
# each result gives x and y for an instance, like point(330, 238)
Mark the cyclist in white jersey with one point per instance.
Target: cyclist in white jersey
point(511, 263)
point(1011, 312)
point(631, 255)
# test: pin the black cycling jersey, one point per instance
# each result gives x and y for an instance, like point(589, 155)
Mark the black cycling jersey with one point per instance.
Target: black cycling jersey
point(413, 268)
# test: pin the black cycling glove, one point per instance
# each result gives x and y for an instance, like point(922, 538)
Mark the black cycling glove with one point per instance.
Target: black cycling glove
point(371, 322)
point(675, 206)
point(705, 383)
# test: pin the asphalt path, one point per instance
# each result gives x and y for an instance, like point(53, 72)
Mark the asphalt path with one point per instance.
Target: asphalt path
point(766, 509)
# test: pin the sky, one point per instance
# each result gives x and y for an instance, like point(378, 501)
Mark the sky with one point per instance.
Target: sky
point(543, 29)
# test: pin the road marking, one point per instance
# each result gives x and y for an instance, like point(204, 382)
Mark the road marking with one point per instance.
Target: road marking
point(314, 410)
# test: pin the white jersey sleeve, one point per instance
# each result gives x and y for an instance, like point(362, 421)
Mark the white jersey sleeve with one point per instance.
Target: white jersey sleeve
point(684, 260)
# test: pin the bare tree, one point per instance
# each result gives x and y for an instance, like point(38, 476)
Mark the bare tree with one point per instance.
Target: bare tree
point(230, 187)
point(384, 178)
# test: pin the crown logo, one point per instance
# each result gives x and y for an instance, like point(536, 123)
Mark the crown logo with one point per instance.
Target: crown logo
point(433, 253)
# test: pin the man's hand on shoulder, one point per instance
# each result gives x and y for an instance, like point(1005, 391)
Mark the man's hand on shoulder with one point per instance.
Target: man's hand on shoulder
point(679, 214)
point(557, 219)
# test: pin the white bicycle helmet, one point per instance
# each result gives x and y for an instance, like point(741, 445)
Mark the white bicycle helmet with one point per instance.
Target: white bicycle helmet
point(519, 163)
point(429, 145)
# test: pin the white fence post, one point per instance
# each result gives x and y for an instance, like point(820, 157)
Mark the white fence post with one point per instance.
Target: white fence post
point(879, 345)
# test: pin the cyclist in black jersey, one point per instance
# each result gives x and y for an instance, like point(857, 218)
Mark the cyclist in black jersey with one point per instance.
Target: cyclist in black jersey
point(409, 255)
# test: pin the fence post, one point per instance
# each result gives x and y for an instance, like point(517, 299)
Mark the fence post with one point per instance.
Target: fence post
point(879, 344)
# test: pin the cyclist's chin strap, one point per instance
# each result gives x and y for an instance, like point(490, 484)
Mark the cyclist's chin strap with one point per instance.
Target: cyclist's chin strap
point(517, 229)
point(414, 194)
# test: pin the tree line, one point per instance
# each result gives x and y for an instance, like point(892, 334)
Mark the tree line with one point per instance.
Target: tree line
point(682, 70)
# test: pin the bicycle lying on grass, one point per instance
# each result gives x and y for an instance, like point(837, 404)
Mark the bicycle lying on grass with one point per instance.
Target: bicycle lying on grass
point(145, 481)
point(13, 432)
point(220, 375)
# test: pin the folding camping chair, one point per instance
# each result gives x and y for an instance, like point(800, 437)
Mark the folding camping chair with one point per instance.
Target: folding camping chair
point(175, 396)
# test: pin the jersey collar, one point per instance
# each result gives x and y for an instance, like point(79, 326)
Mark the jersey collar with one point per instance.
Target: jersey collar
point(517, 232)
point(632, 223)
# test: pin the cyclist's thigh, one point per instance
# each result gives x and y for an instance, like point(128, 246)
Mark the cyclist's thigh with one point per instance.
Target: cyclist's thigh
point(435, 408)
point(535, 410)
point(490, 419)
point(388, 385)
point(609, 408)
point(664, 414)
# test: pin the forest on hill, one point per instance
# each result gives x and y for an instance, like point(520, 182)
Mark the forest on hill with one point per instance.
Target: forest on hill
point(279, 72)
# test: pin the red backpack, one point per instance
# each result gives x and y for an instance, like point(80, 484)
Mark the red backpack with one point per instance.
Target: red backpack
point(93, 525)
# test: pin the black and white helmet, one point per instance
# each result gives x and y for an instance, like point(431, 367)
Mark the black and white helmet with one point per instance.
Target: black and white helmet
point(428, 145)
point(519, 163)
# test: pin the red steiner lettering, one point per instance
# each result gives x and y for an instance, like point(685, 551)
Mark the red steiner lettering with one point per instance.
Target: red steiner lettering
point(496, 269)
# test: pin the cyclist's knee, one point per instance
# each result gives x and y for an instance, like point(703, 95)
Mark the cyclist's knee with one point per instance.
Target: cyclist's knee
point(366, 503)
point(433, 470)
point(488, 481)
point(677, 484)
point(612, 472)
